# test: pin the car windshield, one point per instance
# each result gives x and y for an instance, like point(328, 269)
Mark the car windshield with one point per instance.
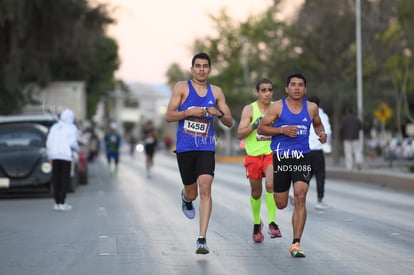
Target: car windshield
point(21, 137)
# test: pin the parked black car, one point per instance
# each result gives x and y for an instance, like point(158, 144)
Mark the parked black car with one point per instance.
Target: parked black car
point(24, 164)
point(79, 165)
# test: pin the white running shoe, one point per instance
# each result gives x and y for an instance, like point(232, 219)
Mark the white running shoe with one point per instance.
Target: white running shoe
point(65, 207)
point(321, 206)
point(56, 207)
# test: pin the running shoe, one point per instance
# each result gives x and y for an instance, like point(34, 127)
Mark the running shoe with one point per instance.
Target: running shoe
point(295, 251)
point(321, 206)
point(274, 231)
point(202, 247)
point(65, 207)
point(187, 207)
point(257, 235)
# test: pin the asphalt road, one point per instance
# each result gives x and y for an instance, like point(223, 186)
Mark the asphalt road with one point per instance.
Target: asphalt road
point(129, 224)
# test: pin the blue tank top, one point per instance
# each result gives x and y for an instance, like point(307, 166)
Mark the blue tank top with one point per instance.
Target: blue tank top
point(285, 146)
point(196, 133)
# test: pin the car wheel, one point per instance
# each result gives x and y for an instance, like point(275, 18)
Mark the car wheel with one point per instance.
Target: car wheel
point(83, 177)
point(73, 184)
point(71, 188)
point(51, 189)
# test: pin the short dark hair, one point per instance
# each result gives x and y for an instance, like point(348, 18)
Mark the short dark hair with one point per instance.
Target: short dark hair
point(262, 81)
point(201, 55)
point(297, 75)
point(314, 99)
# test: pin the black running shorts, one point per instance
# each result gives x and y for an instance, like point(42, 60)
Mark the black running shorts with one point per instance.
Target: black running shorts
point(288, 170)
point(192, 164)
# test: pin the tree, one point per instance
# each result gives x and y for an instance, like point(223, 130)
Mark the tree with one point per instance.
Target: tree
point(46, 40)
point(243, 52)
point(175, 74)
point(405, 9)
point(321, 44)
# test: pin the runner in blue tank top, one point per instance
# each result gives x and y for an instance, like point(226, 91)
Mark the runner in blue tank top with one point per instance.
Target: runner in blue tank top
point(196, 133)
point(194, 104)
point(288, 121)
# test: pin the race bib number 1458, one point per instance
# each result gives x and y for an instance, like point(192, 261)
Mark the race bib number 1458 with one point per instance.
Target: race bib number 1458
point(197, 126)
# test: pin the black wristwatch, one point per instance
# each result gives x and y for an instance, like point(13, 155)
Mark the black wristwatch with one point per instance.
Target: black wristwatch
point(221, 114)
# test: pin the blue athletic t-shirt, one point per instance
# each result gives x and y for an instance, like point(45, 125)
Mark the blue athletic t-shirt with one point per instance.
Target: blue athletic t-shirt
point(283, 145)
point(196, 133)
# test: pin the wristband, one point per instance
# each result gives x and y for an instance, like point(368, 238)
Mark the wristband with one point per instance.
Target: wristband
point(221, 114)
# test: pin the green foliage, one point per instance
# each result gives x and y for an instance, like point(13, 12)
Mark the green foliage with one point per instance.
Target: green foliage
point(405, 9)
point(320, 43)
point(327, 55)
point(47, 40)
point(175, 74)
point(242, 53)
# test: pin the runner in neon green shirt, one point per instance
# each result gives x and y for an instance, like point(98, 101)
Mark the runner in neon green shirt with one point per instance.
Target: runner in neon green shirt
point(259, 160)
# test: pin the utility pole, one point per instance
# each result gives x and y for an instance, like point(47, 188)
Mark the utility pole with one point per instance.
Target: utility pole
point(359, 59)
point(359, 66)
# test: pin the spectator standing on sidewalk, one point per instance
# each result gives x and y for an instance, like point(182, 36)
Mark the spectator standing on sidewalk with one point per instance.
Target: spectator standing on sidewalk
point(351, 125)
point(317, 155)
point(61, 140)
point(258, 161)
point(194, 104)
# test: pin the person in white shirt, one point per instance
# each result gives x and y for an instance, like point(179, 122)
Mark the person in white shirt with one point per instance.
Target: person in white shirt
point(61, 140)
point(317, 155)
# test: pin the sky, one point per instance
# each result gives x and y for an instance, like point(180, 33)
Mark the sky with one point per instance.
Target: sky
point(153, 34)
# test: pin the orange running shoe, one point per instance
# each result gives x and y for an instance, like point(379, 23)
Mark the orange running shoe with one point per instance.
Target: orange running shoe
point(295, 251)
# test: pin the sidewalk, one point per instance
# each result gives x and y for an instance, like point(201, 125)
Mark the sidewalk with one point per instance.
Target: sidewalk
point(379, 171)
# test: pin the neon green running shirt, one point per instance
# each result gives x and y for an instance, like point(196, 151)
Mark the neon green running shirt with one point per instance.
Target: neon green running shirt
point(255, 144)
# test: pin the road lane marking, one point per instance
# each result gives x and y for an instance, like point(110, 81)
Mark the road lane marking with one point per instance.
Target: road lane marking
point(106, 246)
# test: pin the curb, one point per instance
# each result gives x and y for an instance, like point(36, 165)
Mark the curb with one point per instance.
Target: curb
point(383, 178)
point(230, 159)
